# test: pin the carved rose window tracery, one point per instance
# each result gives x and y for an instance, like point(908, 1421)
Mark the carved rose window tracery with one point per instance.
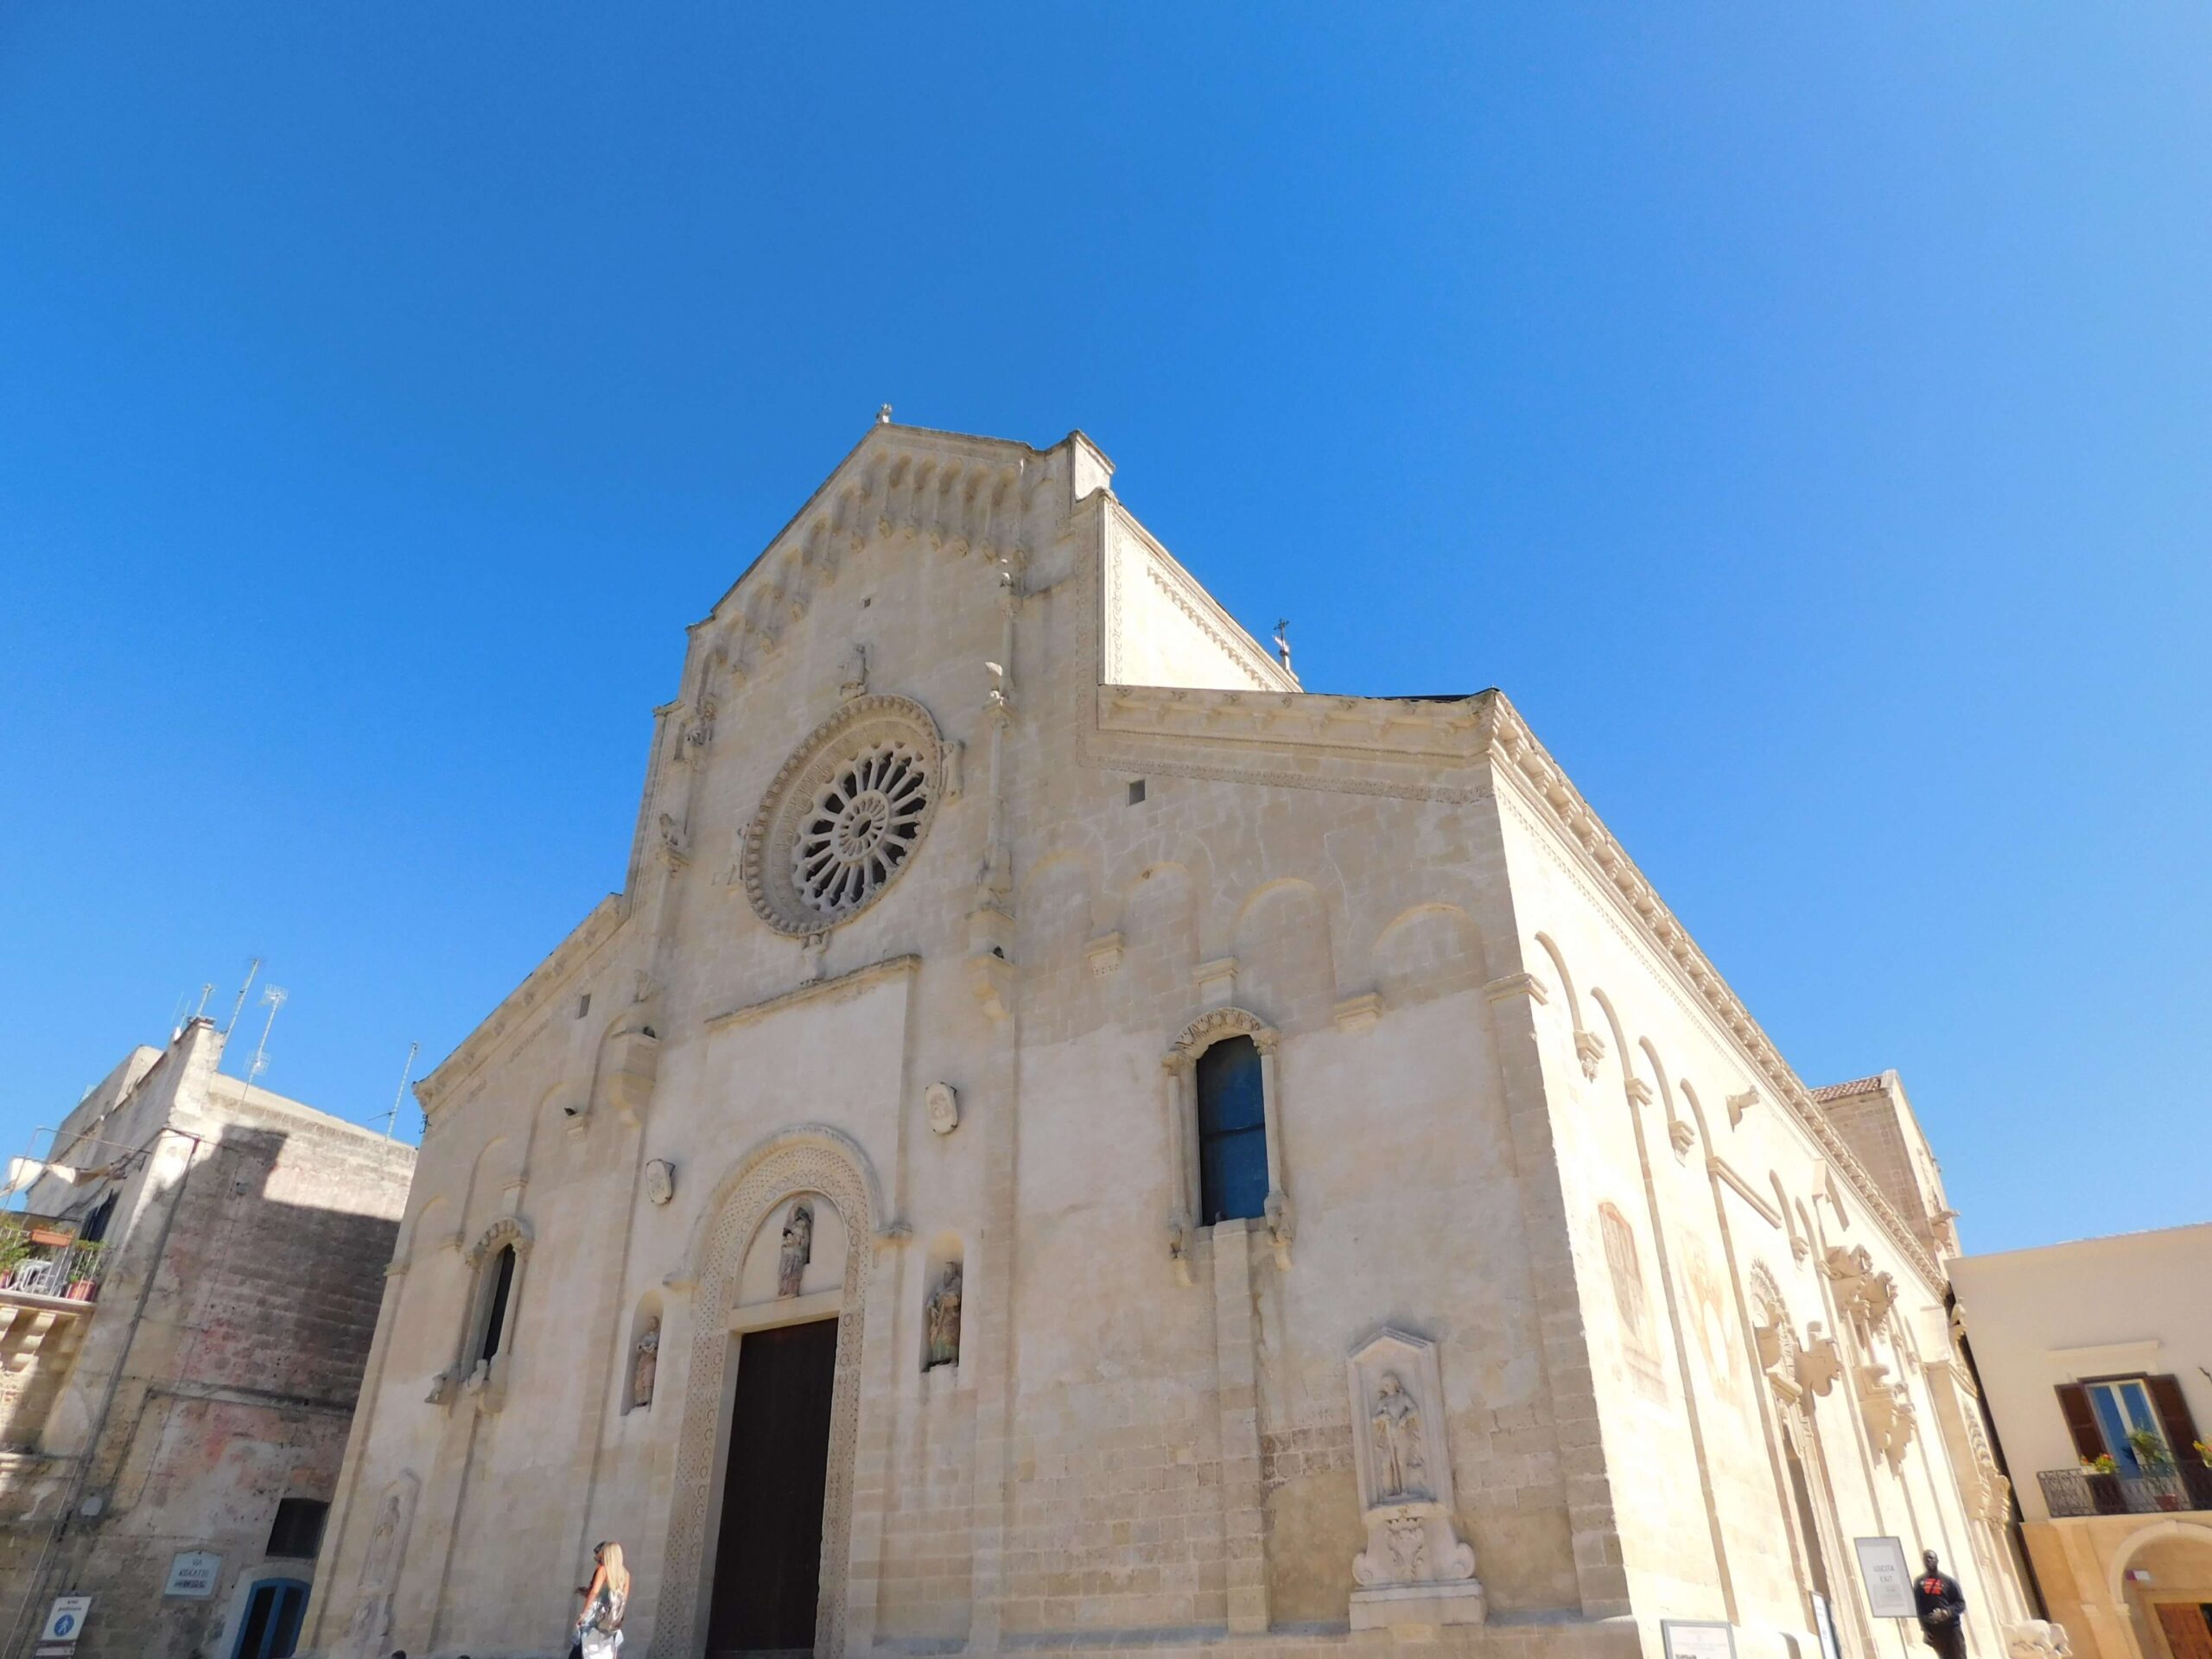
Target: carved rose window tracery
point(845, 816)
point(866, 818)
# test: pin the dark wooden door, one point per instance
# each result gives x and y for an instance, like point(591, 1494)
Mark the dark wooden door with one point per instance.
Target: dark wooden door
point(768, 1562)
point(2188, 1636)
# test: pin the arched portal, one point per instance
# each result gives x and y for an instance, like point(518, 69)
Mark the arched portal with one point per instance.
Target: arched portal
point(821, 1172)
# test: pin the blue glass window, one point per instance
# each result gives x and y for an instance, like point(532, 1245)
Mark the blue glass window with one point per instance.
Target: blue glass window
point(2123, 1407)
point(1232, 1133)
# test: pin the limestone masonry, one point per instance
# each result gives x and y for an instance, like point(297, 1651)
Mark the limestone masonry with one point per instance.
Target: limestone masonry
point(1066, 1138)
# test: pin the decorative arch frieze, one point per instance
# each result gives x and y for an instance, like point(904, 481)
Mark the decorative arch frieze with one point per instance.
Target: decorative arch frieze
point(818, 1160)
point(507, 1229)
point(1178, 1069)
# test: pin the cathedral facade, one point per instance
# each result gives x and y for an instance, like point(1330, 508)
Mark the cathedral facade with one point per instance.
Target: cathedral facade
point(1067, 1139)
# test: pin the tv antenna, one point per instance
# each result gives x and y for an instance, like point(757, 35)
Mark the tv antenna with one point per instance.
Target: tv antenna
point(238, 1005)
point(392, 1116)
point(273, 996)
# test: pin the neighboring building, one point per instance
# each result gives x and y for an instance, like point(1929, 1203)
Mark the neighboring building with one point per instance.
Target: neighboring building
point(2094, 1357)
point(185, 1306)
point(1065, 1140)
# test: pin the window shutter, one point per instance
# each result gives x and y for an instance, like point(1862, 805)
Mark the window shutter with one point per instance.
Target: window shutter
point(2080, 1421)
point(2173, 1412)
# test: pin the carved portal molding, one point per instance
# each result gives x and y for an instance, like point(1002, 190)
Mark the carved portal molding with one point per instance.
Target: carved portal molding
point(827, 1165)
point(844, 817)
point(1416, 1569)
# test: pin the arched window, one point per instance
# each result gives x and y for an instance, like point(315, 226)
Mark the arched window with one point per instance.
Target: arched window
point(1232, 1133)
point(500, 1280)
point(1225, 1133)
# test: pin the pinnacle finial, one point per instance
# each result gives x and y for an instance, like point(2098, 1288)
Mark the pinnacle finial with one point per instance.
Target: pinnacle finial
point(1282, 642)
point(883, 415)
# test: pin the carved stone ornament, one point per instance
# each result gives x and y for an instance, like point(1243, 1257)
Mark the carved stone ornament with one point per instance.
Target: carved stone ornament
point(660, 1181)
point(844, 817)
point(644, 1366)
point(1589, 1049)
point(1416, 1571)
point(797, 1249)
point(943, 1101)
point(2035, 1638)
point(941, 1320)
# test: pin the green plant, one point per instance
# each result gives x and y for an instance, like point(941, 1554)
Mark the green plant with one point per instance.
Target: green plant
point(2150, 1449)
point(14, 1247)
point(2203, 1452)
point(84, 1259)
point(2102, 1463)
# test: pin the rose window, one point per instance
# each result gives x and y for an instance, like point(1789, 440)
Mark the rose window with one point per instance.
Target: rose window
point(848, 812)
point(865, 822)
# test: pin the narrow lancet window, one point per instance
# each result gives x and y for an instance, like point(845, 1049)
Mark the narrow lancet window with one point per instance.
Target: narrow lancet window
point(1232, 1132)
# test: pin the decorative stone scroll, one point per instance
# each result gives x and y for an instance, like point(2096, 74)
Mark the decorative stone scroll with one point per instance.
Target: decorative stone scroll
point(1416, 1570)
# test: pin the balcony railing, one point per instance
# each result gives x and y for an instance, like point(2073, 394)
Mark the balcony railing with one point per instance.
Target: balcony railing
point(39, 1258)
point(2081, 1491)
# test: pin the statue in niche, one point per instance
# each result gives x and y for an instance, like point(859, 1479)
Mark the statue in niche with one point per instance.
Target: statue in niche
point(644, 1365)
point(1399, 1467)
point(941, 1320)
point(797, 1251)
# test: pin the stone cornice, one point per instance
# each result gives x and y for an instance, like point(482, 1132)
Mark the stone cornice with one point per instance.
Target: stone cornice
point(525, 998)
point(1541, 783)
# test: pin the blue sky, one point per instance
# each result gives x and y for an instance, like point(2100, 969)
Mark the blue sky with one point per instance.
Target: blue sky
point(1804, 414)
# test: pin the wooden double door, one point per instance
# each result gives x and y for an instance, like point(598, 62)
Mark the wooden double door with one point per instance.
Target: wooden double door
point(2187, 1626)
point(768, 1555)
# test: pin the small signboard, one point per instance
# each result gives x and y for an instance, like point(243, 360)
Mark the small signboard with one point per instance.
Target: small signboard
point(1888, 1577)
point(65, 1620)
point(193, 1574)
point(1692, 1638)
point(1826, 1628)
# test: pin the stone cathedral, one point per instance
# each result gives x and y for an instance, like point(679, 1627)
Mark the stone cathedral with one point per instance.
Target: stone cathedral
point(1066, 1138)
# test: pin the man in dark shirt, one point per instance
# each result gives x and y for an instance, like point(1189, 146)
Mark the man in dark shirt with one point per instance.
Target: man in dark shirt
point(1942, 1608)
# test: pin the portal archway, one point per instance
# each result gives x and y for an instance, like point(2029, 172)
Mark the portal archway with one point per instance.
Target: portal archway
point(818, 1162)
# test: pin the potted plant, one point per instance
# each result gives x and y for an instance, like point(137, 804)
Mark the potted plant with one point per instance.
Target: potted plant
point(2157, 1464)
point(14, 1247)
point(2100, 1464)
point(57, 1236)
point(84, 1271)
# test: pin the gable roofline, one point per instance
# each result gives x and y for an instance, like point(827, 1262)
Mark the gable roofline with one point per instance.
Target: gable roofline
point(880, 432)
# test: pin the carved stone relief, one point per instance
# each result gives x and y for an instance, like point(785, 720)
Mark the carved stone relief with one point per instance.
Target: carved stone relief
point(368, 1630)
point(797, 1249)
point(941, 1320)
point(660, 1181)
point(1416, 1570)
point(942, 1101)
point(644, 1366)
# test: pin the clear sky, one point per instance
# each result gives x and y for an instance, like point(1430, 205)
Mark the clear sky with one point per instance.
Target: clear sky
point(1804, 413)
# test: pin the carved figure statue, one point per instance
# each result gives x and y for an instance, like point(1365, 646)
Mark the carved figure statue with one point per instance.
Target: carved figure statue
point(797, 1251)
point(671, 836)
point(371, 1624)
point(941, 1320)
point(643, 1364)
point(1400, 1467)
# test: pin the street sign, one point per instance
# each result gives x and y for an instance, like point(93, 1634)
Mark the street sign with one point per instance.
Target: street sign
point(193, 1574)
point(1694, 1638)
point(65, 1620)
point(1888, 1577)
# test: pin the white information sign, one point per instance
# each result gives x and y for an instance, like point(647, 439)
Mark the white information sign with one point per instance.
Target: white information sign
point(193, 1574)
point(65, 1620)
point(1692, 1638)
point(1888, 1577)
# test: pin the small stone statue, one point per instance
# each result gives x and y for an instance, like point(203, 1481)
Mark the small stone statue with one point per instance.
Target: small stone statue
point(671, 838)
point(797, 1251)
point(941, 1320)
point(1399, 1467)
point(644, 1365)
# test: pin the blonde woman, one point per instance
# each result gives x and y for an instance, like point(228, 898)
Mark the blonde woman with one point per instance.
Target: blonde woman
point(599, 1629)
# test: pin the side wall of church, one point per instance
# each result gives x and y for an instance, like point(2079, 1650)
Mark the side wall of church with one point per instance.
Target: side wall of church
point(1709, 1225)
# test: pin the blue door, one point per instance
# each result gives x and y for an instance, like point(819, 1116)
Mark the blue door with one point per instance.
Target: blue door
point(273, 1613)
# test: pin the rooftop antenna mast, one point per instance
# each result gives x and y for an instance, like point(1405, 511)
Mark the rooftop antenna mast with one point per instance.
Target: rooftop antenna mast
point(392, 1116)
point(238, 1005)
point(274, 996)
point(205, 991)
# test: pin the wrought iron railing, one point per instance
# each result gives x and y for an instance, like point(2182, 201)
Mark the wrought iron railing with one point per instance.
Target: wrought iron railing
point(40, 1259)
point(2084, 1491)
